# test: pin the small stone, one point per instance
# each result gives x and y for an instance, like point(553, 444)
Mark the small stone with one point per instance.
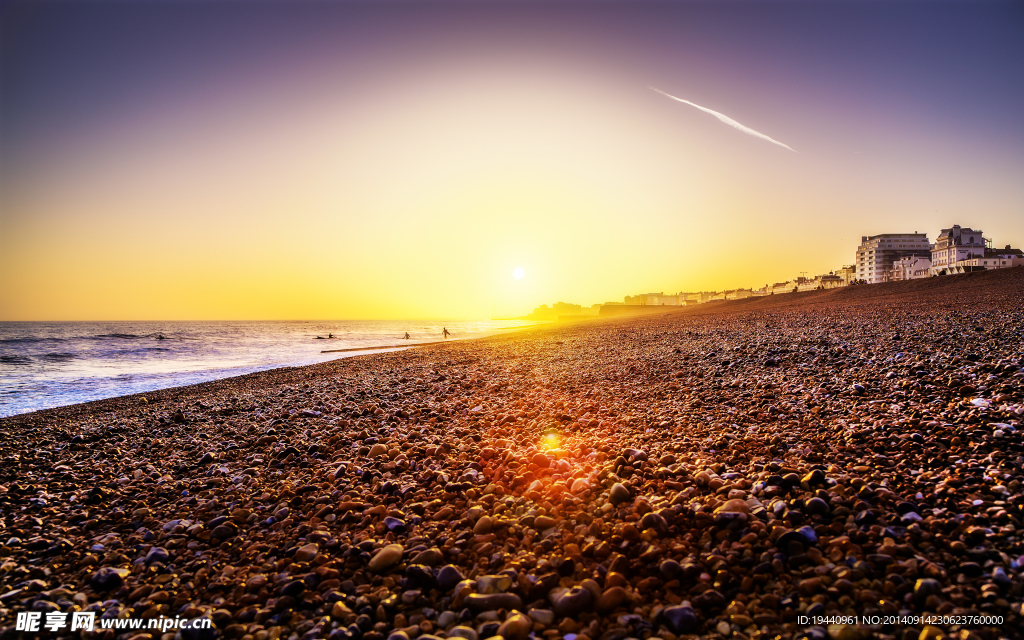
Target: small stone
point(386, 558)
point(493, 584)
point(814, 477)
point(490, 602)
point(462, 631)
point(378, 450)
point(293, 588)
point(306, 553)
point(734, 506)
point(619, 494)
point(925, 587)
point(543, 522)
point(931, 633)
point(545, 617)
point(516, 627)
point(611, 599)
point(446, 619)
point(394, 524)
point(157, 554)
point(108, 579)
point(571, 602)
point(429, 557)
point(670, 569)
point(816, 506)
point(654, 521)
point(483, 525)
point(680, 619)
point(339, 610)
point(449, 576)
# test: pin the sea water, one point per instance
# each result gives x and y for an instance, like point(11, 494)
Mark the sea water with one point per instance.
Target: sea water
point(53, 364)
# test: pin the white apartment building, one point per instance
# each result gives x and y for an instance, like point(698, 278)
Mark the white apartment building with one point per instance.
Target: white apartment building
point(988, 262)
point(911, 268)
point(655, 299)
point(956, 244)
point(876, 254)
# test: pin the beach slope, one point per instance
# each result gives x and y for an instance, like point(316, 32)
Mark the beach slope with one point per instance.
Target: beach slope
point(758, 468)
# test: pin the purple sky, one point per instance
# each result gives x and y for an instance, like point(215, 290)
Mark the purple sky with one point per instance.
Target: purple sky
point(905, 116)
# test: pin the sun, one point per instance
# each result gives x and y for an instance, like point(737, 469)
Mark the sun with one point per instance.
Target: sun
point(518, 273)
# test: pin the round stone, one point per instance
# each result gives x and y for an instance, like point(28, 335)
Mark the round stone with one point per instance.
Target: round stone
point(386, 558)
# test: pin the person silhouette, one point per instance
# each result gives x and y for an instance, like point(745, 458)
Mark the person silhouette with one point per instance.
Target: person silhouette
point(406, 335)
point(446, 332)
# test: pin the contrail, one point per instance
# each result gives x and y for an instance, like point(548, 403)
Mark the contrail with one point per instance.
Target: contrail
point(726, 119)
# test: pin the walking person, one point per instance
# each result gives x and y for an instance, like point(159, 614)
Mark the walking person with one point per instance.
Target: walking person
point(446, 333)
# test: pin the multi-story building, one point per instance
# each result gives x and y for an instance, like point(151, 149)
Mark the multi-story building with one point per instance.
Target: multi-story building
point(659, 299)
point(847, 274)
point(876, 254)
point(1008, 253)
point(911, 268)
point(956, 244)
point(992, 259)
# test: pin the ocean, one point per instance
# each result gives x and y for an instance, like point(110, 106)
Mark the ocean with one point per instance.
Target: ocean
point(54, 364)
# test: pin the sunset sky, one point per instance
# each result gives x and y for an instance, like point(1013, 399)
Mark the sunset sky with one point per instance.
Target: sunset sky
point(307, 160)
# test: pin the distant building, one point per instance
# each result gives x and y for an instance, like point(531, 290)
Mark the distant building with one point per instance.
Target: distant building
point(698, 297)
point(954, 245)
point(847, 274)
point(993, 259)
point(654, 299)
point(876, 254)
point(544, 312)
point(1007, 253)
point(738, 294)
point(830, 281)
point(911, 268)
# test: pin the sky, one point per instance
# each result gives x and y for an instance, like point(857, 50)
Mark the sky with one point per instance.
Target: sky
point(316, 160)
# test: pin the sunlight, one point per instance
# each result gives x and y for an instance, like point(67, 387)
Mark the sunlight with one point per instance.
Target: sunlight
point(550, 442)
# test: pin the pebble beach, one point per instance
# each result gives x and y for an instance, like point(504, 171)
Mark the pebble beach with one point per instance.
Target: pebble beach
point(839, 464)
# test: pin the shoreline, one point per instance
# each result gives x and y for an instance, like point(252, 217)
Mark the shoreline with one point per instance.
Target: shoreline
point(834, 453)
point(236, 374)
point(452, 340)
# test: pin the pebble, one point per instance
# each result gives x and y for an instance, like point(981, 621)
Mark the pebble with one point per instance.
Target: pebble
point(463, 631)
point(306, 552)
point(109, 578)
point(619, 494)
point(449, 576)
point(516, 627)
point(611, 599)
point(490, 602)
point(681, 619)
point(570, 602)
point(386, 558)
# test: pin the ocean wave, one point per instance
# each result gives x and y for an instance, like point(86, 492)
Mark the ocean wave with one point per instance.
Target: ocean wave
point(15, 360)
point(124, 336)
point(58, 357)
point(30, 340)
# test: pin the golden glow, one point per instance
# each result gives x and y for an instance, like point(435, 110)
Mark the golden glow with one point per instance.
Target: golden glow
point(405, 186)
point(550, 442)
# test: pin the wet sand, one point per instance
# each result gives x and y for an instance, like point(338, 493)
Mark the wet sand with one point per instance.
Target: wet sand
point(724, 470)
